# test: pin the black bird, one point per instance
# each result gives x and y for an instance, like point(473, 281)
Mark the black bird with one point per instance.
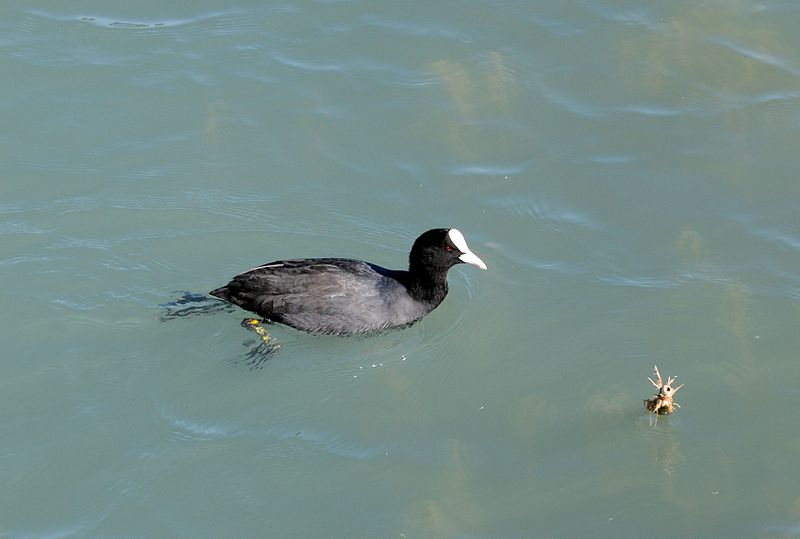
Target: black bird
point(340, 296)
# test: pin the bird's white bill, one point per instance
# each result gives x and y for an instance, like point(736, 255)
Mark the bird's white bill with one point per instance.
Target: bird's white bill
point(470, 258)
point(461, 244)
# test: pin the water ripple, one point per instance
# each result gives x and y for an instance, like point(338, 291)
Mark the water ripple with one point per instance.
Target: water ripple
point(24, 259)
point(552, 213)
point(187, 429)
point(488, 169)
point(781, 238)
point(417, 28)
point(612, 159)
point(70, 242)
point(760, 56)
point(305, 440)
point(212, 200)
point(19, 227)
point(557, 26)
point(75, 306)
point(305, 65)
point(294, 439)
point(592, 110)
point(637, 281)
point(113, 22)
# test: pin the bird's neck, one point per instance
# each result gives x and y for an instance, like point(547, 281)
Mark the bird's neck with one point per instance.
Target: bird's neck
point(427, 286)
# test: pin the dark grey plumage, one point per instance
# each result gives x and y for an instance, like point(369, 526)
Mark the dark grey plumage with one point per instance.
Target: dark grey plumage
point(339, 296)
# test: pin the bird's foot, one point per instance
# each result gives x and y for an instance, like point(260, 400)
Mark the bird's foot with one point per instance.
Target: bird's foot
point(256, 325)
point(257, 357)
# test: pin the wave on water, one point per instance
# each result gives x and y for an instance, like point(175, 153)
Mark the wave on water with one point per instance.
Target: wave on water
point(548, 211)
point(488, 169)
point(419, 28)
point(105, 21)
point(21, 227)
point(769, 59)
point(281, 437)
point(637, 281)
point(780, 238)
point(580, 107)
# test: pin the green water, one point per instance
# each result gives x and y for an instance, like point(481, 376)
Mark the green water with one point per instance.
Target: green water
point(627, 170)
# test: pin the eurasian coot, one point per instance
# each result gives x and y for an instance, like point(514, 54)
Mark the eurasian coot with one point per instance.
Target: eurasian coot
point(339, 296)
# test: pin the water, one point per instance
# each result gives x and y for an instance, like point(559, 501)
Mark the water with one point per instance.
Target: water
point(627, 170)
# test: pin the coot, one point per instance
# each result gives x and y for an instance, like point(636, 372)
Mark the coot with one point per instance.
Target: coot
point(340, 296)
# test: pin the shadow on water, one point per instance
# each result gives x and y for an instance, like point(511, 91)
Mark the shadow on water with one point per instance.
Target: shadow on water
point(260, 352)
point(191, 304)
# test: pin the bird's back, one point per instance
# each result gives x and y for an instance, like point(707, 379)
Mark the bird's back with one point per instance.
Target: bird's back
point(326, 295)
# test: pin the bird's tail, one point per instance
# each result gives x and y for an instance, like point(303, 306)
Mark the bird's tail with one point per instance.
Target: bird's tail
point(222, 293)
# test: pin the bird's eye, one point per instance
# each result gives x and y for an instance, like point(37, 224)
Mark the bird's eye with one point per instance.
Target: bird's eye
point(449, 248)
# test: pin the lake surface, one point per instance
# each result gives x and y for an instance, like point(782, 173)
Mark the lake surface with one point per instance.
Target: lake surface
point(627, 170)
